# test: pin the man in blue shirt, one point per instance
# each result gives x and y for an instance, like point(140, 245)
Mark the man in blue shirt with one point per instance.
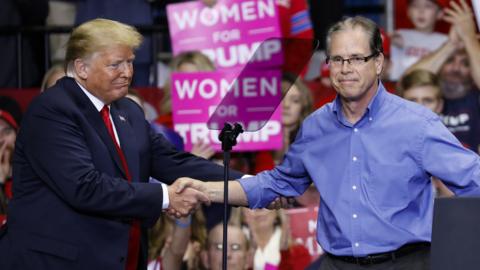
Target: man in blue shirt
point(371, 155)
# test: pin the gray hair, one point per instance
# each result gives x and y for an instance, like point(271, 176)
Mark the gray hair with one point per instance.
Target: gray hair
point(370, 28)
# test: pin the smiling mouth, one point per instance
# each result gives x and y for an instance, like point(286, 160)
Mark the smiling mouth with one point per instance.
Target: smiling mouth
point(122, 85)
point(347, 81)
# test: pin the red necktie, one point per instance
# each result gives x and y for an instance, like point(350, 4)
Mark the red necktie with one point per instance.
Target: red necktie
point(134, 235)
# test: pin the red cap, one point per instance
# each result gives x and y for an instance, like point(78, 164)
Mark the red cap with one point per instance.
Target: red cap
point(9, 119)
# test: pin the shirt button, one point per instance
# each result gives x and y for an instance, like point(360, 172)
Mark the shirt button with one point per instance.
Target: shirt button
point(370, 119)
point(355, 129)
point(354, 158)
point(354, 187)
point(354, 216)
point(357, 244)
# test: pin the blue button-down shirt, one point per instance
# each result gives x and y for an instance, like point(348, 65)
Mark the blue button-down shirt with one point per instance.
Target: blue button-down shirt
point(373, 176)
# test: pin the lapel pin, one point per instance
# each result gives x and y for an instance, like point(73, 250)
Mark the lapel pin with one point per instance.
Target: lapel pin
point(122, 118)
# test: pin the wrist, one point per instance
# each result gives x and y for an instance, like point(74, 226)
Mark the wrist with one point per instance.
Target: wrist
point(184, 222)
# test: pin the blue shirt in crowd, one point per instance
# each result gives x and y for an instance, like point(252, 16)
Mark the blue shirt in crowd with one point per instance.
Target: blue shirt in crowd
point(373, 176)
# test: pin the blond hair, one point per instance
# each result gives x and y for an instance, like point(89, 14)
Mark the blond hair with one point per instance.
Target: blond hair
point(418, 78)
point(196, 58)
point(96, 35)
point(55, 70)
point(306, 99)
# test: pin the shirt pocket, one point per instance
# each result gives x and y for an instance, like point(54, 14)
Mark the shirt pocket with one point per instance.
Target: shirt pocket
point(387, 185)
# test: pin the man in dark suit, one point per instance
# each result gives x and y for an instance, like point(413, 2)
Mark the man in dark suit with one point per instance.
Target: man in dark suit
point(82, 164)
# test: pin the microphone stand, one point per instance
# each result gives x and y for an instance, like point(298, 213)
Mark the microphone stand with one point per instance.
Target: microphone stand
point(228, 137)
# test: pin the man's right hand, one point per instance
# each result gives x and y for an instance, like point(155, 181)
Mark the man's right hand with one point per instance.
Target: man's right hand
point(184, 199)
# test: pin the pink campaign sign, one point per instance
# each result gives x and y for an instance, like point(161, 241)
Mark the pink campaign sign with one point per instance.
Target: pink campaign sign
point(229, 33)
point(195, 97)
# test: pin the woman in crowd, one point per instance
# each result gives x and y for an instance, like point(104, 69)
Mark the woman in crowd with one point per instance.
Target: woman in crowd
point(297, 104)
point(269, 233)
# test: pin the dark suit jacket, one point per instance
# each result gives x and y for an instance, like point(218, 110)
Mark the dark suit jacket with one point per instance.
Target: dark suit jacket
point(72, 206)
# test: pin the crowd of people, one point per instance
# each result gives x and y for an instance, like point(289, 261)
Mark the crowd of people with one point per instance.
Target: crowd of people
point(73, 180)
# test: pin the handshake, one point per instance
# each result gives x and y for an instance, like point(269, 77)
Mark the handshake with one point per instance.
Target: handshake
point(187, 194)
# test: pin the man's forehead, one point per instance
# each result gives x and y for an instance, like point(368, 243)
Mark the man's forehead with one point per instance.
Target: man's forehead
point(354, 40)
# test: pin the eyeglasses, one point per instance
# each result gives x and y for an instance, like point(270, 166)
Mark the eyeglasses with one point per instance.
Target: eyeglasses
point(337, 61)
point(233, 247)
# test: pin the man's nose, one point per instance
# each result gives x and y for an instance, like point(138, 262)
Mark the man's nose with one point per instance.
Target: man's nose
point(127, 69)
point(346, 67)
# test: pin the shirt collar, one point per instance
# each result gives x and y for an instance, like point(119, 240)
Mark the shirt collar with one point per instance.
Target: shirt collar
point(96, 102)
point(374, 105)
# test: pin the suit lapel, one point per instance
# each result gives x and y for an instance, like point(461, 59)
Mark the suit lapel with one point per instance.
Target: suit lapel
point(127, 139)
point(94, 118)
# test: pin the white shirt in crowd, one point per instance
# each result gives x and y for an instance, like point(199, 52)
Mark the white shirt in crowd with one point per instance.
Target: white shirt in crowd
point(416, 45)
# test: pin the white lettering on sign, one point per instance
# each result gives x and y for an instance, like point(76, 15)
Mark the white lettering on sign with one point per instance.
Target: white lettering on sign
point(244, 87)
point(243, 53)
point(226, 36)
point(237, 12)
point(456, 120)
point(196, 132)
point(311, 244)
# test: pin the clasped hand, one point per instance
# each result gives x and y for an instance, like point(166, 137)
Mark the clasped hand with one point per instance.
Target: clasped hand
point(185, 196)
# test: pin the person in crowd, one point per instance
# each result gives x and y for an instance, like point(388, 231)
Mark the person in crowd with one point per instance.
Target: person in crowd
point(55, 73)
point(371, 153)
point(238, 250)
point(198, 239)
point(10, 117)
point(409, 45)
point(169, 239)
point(193, 61)
point(83, 159)
point(457, 64)
point(297, 104)
point(269, 231)
point(150, 111)
point(423, 87)
point(15, 14)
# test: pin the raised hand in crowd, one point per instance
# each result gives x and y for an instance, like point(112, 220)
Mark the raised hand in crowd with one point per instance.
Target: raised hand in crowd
point(202, 149)
point(286, 237)
point(461, 17)
point(463, 34)
point(397, 40)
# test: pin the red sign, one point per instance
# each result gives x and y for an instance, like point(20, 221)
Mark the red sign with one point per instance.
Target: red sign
point(303, 226)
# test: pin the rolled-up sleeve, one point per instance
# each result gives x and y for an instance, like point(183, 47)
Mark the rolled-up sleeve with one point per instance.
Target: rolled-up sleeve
point(289, 179)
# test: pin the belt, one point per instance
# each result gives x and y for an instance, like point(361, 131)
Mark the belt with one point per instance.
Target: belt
point(383, 257)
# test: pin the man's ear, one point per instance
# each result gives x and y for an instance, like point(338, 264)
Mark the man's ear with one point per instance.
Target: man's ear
point(379, 63)
point(80, 68)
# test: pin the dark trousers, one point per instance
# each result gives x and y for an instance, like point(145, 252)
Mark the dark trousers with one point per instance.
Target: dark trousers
point(419, 260)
